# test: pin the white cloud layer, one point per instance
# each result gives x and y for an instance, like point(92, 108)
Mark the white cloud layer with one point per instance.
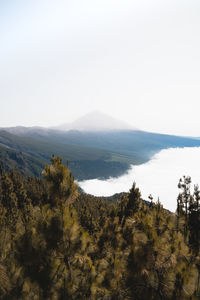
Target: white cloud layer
point(159, 177)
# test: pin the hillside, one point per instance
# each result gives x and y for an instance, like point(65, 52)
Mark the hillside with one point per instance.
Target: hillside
point(100, 147)
point(25, 164)
point(95, 121)
point(85, 162)
point(133, 146)
point(137, 146)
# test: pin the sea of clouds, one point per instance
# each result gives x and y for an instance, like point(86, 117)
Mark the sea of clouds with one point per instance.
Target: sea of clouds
point(158, 177)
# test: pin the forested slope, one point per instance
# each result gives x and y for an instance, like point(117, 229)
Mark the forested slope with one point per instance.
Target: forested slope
point(30, 154)
point(90, 154)
point(58, 244)
point(26, 164)
point(135, 145)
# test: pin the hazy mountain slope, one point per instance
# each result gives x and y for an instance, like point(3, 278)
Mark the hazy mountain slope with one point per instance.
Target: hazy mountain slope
point(26, 164)
point(44, 148)
point(128, 140)
point(101, 147)
point(95, 121)
point(101, 131)
point(135, 146)
point(85, 162)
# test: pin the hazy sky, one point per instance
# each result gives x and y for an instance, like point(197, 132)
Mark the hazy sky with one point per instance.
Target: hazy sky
point(138, 61)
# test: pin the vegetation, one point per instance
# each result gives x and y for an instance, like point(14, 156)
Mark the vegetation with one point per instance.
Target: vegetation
point(91, 154)
point(57, 243)
point(25, 164)
point(29, 155)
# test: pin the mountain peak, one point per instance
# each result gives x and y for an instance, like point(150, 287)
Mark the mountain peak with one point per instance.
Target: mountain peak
point(96, 121)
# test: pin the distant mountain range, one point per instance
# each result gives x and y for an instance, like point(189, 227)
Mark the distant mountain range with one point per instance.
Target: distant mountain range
point(95, 121)
point(106, 151)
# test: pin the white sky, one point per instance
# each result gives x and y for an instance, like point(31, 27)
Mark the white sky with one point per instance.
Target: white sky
point(138, 61)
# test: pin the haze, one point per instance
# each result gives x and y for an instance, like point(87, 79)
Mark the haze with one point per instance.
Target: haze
point(138, 61)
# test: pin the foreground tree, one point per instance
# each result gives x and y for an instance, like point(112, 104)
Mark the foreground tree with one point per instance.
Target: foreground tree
point(62, 187)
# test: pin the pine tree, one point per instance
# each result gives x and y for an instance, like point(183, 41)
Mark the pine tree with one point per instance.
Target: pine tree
point(62, 187)
point(184, 201)
point(133, 202)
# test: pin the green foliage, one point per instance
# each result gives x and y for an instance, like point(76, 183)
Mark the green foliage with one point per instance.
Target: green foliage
point(133, 201)
point(59, 244)
point(60, 181)
point(91, 155)
point(28, 155)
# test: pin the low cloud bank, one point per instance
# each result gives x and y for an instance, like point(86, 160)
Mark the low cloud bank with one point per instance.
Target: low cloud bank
point(158, 177)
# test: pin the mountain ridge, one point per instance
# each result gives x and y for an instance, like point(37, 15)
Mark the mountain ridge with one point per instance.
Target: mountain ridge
point(91, 154)
point(95, 121)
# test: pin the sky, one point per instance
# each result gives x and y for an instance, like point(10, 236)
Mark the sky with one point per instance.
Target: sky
point(138, 61)
point(158, 177)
